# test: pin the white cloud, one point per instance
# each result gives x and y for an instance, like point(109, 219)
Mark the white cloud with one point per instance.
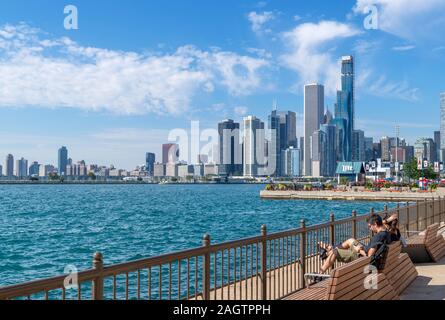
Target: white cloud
point(240, 111)
point(258, 20)
point(404, 48)
point(38, 71)
point(391, 89)
point(408, 19)
point(308, 56)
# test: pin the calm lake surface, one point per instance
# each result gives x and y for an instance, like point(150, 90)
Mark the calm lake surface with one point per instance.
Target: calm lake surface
point(44, 228)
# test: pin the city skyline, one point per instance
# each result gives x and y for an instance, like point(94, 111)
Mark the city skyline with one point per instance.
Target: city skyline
point(268, 52)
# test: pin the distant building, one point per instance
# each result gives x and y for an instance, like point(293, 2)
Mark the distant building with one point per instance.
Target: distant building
point(21, 168)
point(211, 169)
point(202, 159)
point(369, 143)
point(291, 162)
point(171, 170)
point(185, 170)
point(198, 170)
point(437, 144)
point(331, 148)
point(9, 166)
point(230, 149)
point(34, 169)
point(313, 117)
point(170, 153)
point(319, 154)
point(253, 145)
point(150, 159)
point(1, 170)
point(358, 141)
point(442, 126)
point(385, 147)
point(346, 104)
point(159, 170)
point(62, 160)
point(45, 170)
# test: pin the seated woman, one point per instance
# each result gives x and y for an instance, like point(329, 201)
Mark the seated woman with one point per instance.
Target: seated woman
point(392, 225)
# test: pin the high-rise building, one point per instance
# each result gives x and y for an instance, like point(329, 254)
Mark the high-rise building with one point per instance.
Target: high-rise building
point(385, 146)
point(437, 144)
point(34, 169)
point(253, 145)
point(159, 170)
point(1, 170)
point(276, 141)
point(319, 154)
point(358, 141)
point(340, 125)
point(442, 126)
point(291, 162)
point(288, 129)
point(9, 166)
point(345, 106)
point(150, 159)
point(230, 149)
point(62, 160)
point(170, 153)
point(424, 148)
point(369, 142)
point(331, 148)
point(313, 117)
point(21, 168)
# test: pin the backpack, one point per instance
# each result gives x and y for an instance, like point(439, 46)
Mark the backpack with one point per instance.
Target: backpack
point(378, 259)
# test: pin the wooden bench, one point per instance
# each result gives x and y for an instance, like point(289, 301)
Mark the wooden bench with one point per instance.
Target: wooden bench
point(348, 283)
point(398, 268)
point(427, 246)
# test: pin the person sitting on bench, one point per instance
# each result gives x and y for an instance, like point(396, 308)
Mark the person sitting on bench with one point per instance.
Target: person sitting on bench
point(352, 249)
point(392, 225)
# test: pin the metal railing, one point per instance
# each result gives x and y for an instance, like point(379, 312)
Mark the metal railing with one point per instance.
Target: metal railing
point(265, 267)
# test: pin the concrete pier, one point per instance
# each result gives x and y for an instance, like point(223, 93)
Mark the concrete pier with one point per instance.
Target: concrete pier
point(385, 196)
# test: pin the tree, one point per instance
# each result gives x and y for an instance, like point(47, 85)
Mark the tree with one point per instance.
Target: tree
point(92, 176)
point(413, 173)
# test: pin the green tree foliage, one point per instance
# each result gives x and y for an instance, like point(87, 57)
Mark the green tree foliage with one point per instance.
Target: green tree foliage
point(413, 173)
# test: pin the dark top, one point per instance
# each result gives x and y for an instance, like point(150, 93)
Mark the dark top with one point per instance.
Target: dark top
point(396, 236)
point(383, 237)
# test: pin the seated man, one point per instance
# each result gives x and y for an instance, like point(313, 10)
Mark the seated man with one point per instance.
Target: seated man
point(351, 249)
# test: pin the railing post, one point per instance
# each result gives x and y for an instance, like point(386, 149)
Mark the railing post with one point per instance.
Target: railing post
point(303, 253)
point(264, 262)
point(98, 282)
point(332, 229)
point(354, 224)
point(206, 269)
point(434, 210)
point(407, 219)
point(425, 203)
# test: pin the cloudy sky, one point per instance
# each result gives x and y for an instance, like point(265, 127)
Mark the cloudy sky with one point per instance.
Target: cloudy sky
point(113, 89)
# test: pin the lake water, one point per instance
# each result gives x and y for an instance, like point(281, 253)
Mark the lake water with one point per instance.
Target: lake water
point(43, 228)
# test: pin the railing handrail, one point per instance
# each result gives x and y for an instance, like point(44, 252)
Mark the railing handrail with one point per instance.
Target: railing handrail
point(57, 282)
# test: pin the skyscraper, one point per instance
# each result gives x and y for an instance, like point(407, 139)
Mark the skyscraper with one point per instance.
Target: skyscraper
point(253, 143)
point(319, 153)
point(358, 141)
point(437, 144)
point(9, 166)
point(170, 153)
point(230, 150)
point(331, 151)
point(442, 126)
point(21, 168)
point(345, 103)
point(150, 159)
point(291, 160)
point(313, 117)
point(385, 147)
point(277, 140)
point(63, 160)
point(34, 169)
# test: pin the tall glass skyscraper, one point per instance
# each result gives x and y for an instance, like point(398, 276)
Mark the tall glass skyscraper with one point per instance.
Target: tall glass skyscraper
point(345, 104)
point(150, 159)
point(230, 148)
point(442, 127)
point(63, 160)
point(253, 145)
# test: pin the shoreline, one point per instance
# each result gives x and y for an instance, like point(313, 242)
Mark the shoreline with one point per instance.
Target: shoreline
point(350, 195)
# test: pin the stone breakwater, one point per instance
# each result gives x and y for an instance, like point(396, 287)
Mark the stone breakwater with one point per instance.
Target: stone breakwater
point(352, 195)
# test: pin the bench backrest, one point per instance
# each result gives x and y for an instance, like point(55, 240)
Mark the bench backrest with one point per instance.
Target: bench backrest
point(392, 256)
point(431, 233)
point(347, 281)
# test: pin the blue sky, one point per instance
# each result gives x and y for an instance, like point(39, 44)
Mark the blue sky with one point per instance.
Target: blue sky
point(114, 88)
